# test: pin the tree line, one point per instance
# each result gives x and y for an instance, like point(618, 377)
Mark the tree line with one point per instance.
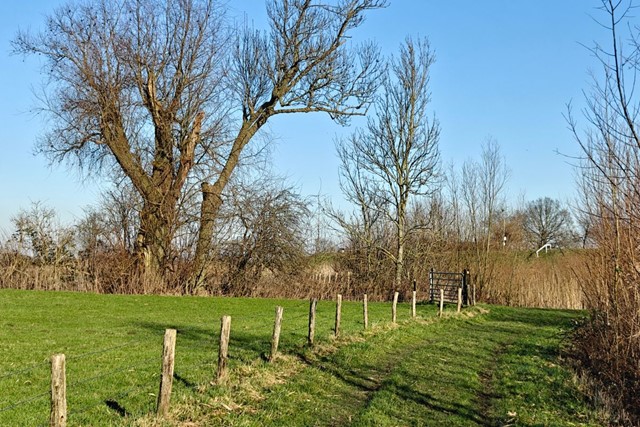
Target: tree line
point(269, 232)
point(168, 100)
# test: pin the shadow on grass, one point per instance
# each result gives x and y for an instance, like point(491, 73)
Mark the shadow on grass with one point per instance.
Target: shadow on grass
point(117, 408)
point(376, 379)
point(185, 382)
point(443, 406)
point(537, 317)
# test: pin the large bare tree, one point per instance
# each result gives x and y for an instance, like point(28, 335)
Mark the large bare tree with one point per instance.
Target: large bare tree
point(167, 93)
point(398, 149)
point(134, 85)
point(304, 64)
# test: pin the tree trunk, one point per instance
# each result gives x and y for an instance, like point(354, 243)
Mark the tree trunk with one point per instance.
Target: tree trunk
point(212, 196)
point(211, 203)
point(153, 245)
point(400, 249)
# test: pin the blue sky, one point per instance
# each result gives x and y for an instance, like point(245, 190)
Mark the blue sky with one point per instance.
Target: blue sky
point(505, 69)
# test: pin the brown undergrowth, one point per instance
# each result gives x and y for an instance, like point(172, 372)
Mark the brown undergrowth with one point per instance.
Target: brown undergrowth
point(514, 278)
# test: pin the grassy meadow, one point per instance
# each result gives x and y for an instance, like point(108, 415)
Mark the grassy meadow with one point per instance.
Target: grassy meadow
point(488, 366)
point(113, 346)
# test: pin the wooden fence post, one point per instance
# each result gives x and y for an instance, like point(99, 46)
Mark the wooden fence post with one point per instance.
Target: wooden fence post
point(58, 416)
point(431, 286)
point(394, 307)
point(459, 299)
point(166, 379)
point(413, 303)
point(312, 320)
point(473, 298)
point(275, 338)
point(441, 301)
point(466, 295)
point(336, 330)
point(365, 311)
point(223, 351)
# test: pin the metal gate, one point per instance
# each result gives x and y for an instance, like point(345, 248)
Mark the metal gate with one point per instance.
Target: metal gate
point(450, 283)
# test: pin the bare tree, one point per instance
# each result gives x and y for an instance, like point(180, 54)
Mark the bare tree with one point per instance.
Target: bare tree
point(154, 89)
point(470, 190)
point(482, 187)
point(546, 221)
point(40, 235)
point(265, 231)
point(304, 64)
point(120, 208)
point(362, 226)
point(610, 190)
point(494, 175)
point(453, 189)
point(398, 149)
point(135, 85)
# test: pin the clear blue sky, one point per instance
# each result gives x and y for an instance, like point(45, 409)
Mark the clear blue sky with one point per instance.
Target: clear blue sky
point(504, 69)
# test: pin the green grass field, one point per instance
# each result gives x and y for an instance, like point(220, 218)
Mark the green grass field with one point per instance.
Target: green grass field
point(495, 368)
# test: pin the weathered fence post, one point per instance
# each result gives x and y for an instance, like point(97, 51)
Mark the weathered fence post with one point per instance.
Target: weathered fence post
point(312, 320)
point(365, 310)
point(473, 291)
point(58, 391)
point(473, 299)
point(459, 299)
point(275, 339)
point(223, 351)
point(441, 301)
point(394, 307)
point(336, 330)
point(166, 378)
point(465, 287)
point(431, 287)
point(414, 294)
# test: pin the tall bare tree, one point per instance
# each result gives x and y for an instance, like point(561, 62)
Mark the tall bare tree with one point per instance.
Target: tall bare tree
point(494, 175)
point(163, 91)
point(470, 191)
point(362, 226)
point(398, 149)
point(610, 190)
point(304, 64)
point(482, 192)
point(134, 85)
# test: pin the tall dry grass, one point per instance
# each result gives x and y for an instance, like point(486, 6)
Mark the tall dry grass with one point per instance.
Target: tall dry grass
point(515, 279)
point(551, 281)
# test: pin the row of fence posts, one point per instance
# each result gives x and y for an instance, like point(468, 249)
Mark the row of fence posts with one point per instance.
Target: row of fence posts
point(332, 277)
point(58, 416)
